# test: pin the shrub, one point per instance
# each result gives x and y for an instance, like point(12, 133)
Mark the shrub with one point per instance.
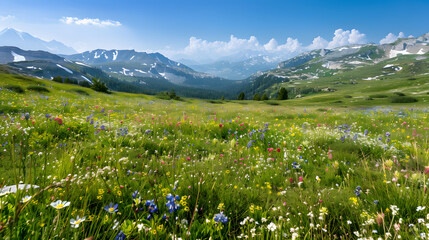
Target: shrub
point(403, 99)
point(240, 96)
point(256, 97)
point(85, 84)
point(264, 97)
point(99, 86)
point(38, 89)
point(378, 96)
point(399, 94)
point(15, 88)
point(58, 79)
point(282, 95)
point(348, 96)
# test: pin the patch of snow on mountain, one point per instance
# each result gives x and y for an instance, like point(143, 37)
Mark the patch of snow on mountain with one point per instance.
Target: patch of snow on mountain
point(17, 57)
point(421, 51)
point(173, 78)
point(105, 56)
point(83, 64)
point(96, 56)
point(115, 55)
point(65, 69)
point(124, 71)
point(86, 79)
point(132, 58)
point(371, 78)
point(394, 53)
point(388, 66)
point(140, 71)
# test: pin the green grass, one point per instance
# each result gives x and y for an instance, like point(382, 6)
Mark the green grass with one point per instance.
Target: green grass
point(289, 164)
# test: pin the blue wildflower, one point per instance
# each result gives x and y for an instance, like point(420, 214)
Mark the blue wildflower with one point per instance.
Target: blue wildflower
point(111, 208)
point(220, 217)
point(120, 236)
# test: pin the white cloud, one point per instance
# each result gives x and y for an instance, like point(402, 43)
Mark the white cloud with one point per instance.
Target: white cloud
point(342, 38)
point(271, 45)
point(318, 43)
point(199, 49)
point(90, 21)
point(5, 18)
point(390, 38)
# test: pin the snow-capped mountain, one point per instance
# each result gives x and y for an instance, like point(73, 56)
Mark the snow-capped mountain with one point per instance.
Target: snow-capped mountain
point(238, 70)
point(141, 64)
point(41, 64)
point(23, 40)
point(322, 63)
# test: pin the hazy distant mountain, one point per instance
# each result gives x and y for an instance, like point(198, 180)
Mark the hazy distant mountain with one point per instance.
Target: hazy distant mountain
point(12, 37)
point(238, 70)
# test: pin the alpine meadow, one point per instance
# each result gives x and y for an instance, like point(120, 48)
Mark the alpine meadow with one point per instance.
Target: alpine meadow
point(215, 137)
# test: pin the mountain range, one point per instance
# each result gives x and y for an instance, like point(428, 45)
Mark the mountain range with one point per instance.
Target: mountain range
point(304, 74)
point(13, 37)
point(311, 68)
point(129, 63)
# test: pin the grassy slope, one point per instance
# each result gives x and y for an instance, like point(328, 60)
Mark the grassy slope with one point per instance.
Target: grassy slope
point(411, 80)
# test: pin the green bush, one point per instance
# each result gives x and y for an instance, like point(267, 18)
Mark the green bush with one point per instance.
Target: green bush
point(15, 88)
point(378, 96)
point(348, 96)
point(399, 94)
point(99, 86)
point(37, 89)
point(403, 99)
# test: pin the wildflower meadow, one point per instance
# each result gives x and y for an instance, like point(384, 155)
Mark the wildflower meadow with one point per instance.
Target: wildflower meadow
point(87, 165)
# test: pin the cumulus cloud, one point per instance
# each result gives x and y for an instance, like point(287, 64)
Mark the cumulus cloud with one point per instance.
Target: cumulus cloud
point(342, 38)
point(90, 21)
point(5, 18)
point(318, 43)
point(390, 38)
point(198, 48)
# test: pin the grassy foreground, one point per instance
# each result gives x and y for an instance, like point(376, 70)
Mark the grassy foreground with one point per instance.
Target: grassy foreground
point(77, 164)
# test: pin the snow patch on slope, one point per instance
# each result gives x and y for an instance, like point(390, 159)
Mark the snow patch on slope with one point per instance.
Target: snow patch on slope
point(86, 79)
point(83, 64)
point(394, 53)
point(65, 69)
point(115, 55)
point(17, 57)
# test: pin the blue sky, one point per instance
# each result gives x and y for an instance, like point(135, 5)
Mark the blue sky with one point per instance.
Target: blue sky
point(167, 26)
